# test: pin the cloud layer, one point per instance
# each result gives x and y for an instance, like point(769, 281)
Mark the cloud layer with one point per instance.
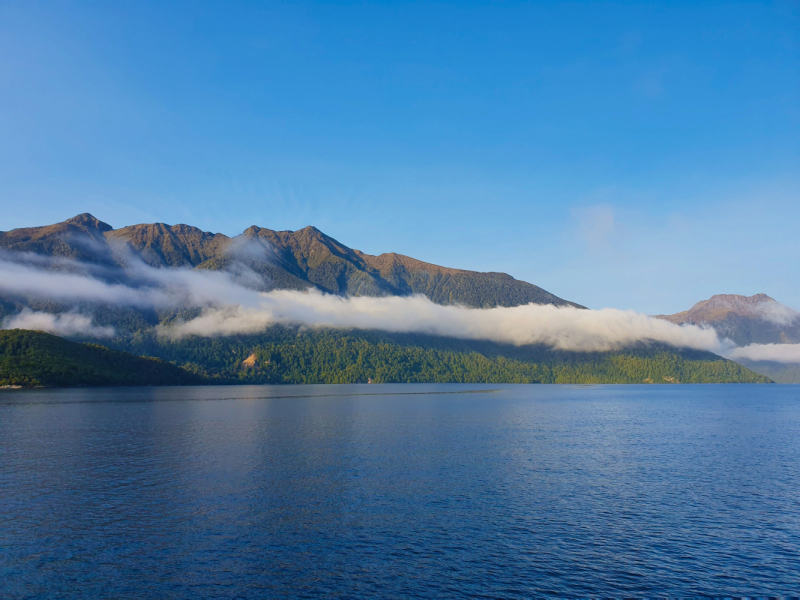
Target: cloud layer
point(563, 328)
point(141, 286)
point(782, 353)
point(777, 313)
point(65, 324)
point(230, 306)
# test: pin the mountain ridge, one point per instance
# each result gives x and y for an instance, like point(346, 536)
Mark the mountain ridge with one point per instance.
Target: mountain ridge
point(284, 259)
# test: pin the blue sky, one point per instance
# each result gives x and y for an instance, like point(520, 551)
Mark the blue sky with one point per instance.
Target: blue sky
point(634, 155)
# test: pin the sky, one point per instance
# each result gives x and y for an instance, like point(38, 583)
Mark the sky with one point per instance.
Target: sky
point(629, 155)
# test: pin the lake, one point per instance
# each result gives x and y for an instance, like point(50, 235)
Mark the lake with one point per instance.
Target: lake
point(364, 491)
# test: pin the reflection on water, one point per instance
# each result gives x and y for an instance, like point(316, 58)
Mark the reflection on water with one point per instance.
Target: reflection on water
point(419, 491)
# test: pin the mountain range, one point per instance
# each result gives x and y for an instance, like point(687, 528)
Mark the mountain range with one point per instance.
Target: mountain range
point(294, 260)
point(300, 260)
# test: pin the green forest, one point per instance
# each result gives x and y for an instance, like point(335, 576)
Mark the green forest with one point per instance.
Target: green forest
point(35, 359)
point(292, 355)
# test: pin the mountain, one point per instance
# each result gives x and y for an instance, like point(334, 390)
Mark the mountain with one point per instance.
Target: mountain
point(777, 372)
point(161, 245)
point(747, 320)
point(294, 260)
point(81, 238)
point(34, 358)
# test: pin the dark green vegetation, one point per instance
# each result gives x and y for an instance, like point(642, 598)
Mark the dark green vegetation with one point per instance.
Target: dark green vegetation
point(285, 260)
point(33, 358)
point(286, 355)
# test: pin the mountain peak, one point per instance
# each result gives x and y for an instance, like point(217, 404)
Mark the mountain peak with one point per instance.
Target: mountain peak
point(721, 306)
point(735, 300)
point(744, 319)
point(89, 221)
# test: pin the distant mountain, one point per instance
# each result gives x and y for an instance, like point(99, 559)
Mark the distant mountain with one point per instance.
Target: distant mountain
point(34, 359)
point(778, 372)
point(747, 320)
point(284, 260)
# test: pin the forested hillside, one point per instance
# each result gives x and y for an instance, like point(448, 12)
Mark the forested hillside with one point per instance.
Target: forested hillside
point(34, 358)
point(288, 355)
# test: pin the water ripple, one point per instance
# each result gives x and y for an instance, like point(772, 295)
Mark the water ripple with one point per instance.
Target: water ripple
point(400, 491)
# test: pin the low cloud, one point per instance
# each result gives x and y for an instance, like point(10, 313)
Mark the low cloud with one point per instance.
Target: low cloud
point(777, 313)
point(243, 246)
point(563, 328)
point(228, 307)
point(66, 324)
point(145, 287)
point(782, 353)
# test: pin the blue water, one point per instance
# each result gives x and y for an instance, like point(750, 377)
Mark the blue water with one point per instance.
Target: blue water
point(372, 491)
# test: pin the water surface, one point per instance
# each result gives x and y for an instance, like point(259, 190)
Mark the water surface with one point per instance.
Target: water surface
point(400, 491)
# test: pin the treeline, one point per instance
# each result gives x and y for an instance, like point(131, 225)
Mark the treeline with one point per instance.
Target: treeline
point(289, 355)
point(34, 358)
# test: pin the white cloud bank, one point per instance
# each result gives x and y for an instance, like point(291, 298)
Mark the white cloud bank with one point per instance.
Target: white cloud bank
point(67, 324)
point(777, 313)
point(230, 307)
point(563, 328)
point(155, 288)
point(782, 353)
